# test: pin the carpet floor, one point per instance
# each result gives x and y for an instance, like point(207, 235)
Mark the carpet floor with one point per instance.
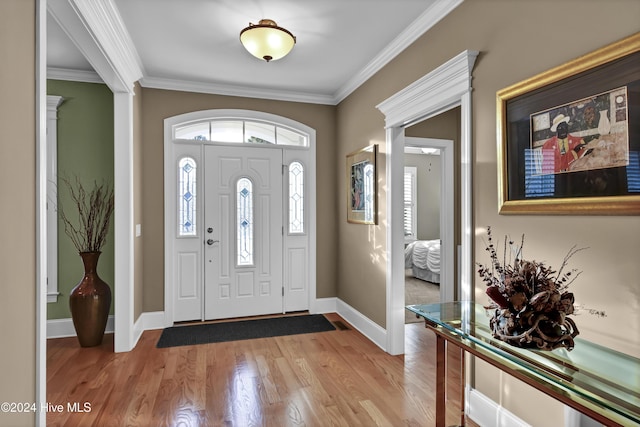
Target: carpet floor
point(205, 333)
point(418, 291)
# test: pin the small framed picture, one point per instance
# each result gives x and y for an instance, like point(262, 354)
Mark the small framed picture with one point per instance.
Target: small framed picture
point(362, 194)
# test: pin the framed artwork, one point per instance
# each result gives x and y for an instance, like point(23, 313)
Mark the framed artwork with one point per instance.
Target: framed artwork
point(362, 186)
point(569, 138)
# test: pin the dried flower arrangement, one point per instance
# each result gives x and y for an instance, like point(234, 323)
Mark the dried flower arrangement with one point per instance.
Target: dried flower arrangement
point(530, 299)
point(94, 209)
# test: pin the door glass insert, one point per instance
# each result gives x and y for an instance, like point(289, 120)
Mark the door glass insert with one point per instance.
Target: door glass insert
point(244, 224)
point(187, 197)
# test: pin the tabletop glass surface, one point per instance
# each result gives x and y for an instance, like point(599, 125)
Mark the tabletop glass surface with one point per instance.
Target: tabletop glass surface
point(606, 378)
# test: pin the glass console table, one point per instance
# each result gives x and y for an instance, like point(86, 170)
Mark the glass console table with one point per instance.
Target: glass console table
point(601, 383)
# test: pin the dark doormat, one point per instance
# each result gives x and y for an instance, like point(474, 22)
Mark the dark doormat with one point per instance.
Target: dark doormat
point(243, 330)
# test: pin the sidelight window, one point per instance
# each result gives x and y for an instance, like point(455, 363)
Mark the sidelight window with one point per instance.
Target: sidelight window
point(296, 198)
point(187, 197)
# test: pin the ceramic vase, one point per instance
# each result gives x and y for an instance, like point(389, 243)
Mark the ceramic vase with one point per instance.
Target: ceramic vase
point(604, 125)
point(90, 302)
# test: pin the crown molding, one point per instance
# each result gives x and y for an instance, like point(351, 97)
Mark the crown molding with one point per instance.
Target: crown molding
point(73, 75)
point(234, 90)
point(97, 30)
point(430, 17)
point(105, 22)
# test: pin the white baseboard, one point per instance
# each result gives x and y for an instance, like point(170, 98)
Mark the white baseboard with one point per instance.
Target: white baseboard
point(325, 305)
point(147, 322)
point(363, 324)
point(59, 328)
point(486, 412)
point(62, 328)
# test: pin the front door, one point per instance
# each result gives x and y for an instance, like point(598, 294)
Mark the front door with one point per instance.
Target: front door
point(243, 232)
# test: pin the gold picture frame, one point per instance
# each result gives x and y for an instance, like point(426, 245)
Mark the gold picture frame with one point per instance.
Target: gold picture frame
point(362, 186)
point(554, 156)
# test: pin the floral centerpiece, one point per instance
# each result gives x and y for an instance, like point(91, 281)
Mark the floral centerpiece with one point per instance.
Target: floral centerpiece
point(531, 300)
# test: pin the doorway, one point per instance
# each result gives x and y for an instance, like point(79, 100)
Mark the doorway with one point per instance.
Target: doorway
point(239, 215)
point(430, 238)
point(444, 88)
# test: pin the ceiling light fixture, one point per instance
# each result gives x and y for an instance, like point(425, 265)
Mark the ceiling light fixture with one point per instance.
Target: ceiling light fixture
point(266, 40)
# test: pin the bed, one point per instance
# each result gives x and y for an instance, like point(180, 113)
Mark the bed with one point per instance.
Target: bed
point(422, 257)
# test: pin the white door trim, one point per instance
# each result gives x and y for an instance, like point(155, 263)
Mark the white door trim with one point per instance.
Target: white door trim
point(447, 226)
point(444, 88)
point(41, 210)
point(309, 154)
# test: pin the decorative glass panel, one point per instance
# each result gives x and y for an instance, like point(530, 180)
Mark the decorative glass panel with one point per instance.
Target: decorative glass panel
point(227, 131)
point(187, 197)
point(244, 223)
point(289, 137)
point(197, 131)
point(259, 133)
point(369, 204)
point(296, 198)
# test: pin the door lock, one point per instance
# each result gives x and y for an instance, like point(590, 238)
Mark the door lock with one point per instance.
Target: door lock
point(209, 230)
point(211, 241)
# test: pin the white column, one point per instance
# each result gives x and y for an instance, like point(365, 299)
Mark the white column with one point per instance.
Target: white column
point(123, 221)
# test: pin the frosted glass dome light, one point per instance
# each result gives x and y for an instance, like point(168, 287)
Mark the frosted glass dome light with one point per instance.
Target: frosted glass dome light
point(267, 41)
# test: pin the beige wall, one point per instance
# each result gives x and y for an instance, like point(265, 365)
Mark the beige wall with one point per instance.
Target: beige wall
point(516, 40)
point(158, 105)
point(17, 209)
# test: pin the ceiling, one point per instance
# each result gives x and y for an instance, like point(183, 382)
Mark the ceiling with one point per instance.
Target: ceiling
point(194, 44)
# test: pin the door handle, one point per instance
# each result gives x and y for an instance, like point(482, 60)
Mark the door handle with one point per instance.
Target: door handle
point(211, 241)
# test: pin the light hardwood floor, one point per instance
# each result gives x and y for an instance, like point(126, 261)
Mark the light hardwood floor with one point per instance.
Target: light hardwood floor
point(336, 378)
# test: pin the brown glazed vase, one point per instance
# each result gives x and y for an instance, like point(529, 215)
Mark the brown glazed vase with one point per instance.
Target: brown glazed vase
point(90, 302)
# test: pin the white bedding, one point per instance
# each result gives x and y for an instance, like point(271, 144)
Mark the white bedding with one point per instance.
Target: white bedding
point(424, 254)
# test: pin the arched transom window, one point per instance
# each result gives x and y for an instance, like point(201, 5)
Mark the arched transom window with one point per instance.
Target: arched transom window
point(241, 131)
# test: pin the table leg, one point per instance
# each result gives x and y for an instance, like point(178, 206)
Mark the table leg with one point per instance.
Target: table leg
point(441, 381)
point(462, 381)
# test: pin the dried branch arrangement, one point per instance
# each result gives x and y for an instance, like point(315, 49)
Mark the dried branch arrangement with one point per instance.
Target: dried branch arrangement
point(530, 299)
point(88, 230)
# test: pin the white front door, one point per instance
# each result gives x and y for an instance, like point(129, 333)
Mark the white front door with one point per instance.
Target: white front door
point(243, 231)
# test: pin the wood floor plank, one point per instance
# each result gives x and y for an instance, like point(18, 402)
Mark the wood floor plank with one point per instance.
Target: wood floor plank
point(336, 378)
